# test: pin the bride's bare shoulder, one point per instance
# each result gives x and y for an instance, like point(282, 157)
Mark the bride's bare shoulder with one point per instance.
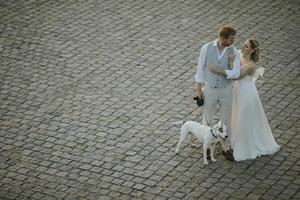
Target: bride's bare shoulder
point(249, 64)
point(248, 69)
point(251, 68)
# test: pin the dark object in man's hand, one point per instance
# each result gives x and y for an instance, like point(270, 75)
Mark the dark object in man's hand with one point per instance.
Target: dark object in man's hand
point(199, 101)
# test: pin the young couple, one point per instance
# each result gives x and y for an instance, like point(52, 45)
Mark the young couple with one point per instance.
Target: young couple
point(225, 78)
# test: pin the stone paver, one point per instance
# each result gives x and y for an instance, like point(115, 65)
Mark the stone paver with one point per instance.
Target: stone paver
point(89, 90)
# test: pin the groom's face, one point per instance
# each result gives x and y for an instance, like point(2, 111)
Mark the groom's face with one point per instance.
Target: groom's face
point(227, 41)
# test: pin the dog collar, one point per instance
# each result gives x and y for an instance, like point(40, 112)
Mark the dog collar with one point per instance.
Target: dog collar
point(213, 134)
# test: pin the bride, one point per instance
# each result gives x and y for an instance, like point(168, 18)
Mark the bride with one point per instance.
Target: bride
point(251, 133)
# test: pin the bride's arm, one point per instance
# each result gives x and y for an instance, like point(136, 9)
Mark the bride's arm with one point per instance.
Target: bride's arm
point(247, 69)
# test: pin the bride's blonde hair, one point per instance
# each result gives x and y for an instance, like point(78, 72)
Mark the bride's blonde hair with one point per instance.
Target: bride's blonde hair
point(254, 56)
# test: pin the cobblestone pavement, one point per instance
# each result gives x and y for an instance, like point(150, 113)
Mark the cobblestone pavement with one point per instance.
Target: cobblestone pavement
point(89, 90)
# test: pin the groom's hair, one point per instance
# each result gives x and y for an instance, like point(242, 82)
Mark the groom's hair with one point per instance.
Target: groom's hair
point(225, 31)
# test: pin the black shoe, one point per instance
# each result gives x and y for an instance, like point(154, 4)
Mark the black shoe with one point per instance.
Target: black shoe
point(208, 154)
point(228, 155)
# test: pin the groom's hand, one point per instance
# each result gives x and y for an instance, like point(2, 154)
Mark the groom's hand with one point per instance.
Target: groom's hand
point(213, 69)
point(199, 92)
point(217, 70)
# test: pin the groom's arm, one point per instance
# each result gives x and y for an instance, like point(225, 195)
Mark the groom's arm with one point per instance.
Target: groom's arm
point(199, 76)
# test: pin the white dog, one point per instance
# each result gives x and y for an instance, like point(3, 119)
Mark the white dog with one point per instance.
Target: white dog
point(206, 135)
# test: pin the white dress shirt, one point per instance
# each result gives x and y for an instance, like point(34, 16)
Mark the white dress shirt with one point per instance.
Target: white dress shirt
point(230, 74)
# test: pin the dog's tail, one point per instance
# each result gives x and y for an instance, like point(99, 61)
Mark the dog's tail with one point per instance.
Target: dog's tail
point(178, 122)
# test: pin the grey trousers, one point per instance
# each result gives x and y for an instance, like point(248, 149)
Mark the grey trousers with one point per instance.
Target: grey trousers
point(218, 98)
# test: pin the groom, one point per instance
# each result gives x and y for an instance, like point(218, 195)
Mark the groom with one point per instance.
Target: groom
point(217, 92)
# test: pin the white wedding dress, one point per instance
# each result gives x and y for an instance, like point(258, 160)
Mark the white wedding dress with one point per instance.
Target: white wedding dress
point(251, 133)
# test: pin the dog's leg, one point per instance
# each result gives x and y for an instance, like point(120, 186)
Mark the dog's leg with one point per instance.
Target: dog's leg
point(183, 134)
point(205, 154)
point(212, 149)
point(192, 143)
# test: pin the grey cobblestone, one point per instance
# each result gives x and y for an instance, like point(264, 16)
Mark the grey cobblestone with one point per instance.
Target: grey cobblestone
point(89, 90)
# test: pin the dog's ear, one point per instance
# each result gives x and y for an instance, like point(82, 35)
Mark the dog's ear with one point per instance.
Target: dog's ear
point(220, 123)
point(221, 129)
